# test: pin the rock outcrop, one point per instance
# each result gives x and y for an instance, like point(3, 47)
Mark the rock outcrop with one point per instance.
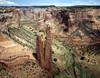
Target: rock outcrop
point(9, 17)
point(40, 50)
point(13, 55)
point(44, 55)
point(48, 49)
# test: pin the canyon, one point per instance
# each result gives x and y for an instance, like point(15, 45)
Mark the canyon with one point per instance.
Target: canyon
point(44, 42)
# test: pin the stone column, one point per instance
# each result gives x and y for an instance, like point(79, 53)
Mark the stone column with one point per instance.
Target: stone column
point(40, 50)
point(48, 49)
point(44, 55)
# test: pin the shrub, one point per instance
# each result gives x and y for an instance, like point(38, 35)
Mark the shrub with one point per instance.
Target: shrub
point(55, 59)
point(35, 35)
point(41, 31)
point(98, 16)
point(73, 54)
point(82, 58)
point(34, 32)
point(69, 49)
point(33, 63)
point(53, 52)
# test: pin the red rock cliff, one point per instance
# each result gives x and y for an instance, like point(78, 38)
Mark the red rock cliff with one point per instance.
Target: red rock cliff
point(9, 17)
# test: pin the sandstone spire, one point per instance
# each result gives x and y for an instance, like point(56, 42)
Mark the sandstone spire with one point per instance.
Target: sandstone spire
point(40, 50)
point(44, 55)
point(48, 48)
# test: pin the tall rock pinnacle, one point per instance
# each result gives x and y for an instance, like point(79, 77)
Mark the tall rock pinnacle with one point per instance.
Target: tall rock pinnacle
point(44, 55)
point(40, 50)
point(48, 48)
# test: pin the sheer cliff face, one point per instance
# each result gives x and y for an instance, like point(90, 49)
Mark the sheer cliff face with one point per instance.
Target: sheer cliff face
point(9, 17)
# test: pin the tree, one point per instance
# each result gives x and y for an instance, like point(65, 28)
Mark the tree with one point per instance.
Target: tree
point(82, 58)
point(55, 59)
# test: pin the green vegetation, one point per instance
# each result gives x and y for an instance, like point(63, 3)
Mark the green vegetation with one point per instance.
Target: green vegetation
point(41, 30)
point(68, 57)
point(69, 49)
point(35, 34)
point(55, 59)
point(69, 62)
point(23, 33)
point(52, 52)
point(73, 54)
point(82, 58)
point(85, 74)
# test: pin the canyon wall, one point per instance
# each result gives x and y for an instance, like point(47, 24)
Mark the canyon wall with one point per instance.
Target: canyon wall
point(79, 25)
point(62, 19)
point(31, 14)
point(9, 17)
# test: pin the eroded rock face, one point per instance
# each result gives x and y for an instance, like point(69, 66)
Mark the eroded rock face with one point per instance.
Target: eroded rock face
point(65, 21)
point(9, 17)
point(70, 20)
point(40, 51)
point(44, 55)
point(48, 49)
point(47, 16)
point(31, 14)
point(13, 55)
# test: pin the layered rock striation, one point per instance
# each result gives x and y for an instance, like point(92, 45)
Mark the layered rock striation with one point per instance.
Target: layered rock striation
point(69, 24)
point(9, 17)
point(65, 22)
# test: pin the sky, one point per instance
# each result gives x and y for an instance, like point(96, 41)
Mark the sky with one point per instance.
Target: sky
point(48, 2)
